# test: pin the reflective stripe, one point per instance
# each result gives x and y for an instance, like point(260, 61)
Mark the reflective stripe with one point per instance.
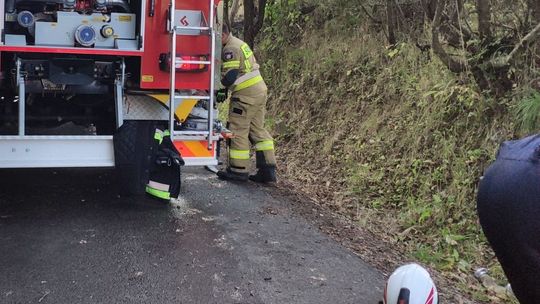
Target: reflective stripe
point(158, 136)
point(246, 50)
point(247, 80)
point(266, 145)
point(158, 193)
point(247, 54)
point(248, 66)
point(158, 186)
point(247, 77)
point(239, 154)
point(231, 65)
point(248, 83)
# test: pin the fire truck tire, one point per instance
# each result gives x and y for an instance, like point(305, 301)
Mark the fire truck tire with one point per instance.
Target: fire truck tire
point(133, 148)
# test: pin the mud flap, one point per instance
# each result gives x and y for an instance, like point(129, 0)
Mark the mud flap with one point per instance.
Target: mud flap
point(146, 160)
point(134, 146)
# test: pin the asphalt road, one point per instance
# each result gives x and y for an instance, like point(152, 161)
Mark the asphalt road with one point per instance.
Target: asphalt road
point(66, 236)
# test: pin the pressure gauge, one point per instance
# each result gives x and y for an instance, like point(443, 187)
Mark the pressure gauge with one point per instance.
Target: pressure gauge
point(85, 35)
point(26, 19)
point(107, 31)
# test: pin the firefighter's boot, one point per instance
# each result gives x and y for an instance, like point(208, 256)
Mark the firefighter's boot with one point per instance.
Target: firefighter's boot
point(229, 175)
point(264, 175)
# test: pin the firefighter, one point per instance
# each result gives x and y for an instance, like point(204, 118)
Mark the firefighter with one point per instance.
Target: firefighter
point(241, 76)
point(509, 211)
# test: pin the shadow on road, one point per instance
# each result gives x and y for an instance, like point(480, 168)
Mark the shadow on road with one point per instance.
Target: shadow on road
point(41, 189)
point(67, 236)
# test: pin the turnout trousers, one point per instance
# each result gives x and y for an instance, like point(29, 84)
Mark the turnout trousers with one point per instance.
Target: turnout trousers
point(246, 121)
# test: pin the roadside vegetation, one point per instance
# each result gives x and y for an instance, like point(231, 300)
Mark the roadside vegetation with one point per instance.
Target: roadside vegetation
point(388, 112)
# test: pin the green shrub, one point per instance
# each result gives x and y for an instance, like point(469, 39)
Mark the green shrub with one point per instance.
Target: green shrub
point(528, 112)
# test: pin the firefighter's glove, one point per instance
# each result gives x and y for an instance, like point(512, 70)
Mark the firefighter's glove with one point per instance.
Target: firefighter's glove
point(221, 95)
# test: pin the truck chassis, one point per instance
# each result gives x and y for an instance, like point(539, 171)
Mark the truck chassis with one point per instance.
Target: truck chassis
point(73, 71)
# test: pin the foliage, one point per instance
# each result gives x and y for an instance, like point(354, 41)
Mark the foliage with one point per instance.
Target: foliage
point(528, 112)
point(487, 38)
point(363, 126)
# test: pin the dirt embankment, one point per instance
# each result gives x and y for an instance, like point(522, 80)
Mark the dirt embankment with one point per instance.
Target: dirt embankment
point(387, 141)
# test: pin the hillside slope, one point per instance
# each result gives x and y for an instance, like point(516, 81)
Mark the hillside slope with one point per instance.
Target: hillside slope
point(385, 136)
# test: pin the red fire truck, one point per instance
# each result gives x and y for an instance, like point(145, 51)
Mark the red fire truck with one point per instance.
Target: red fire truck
point(74, 71)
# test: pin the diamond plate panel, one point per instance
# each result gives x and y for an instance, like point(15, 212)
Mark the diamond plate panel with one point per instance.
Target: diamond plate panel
point(142, 107)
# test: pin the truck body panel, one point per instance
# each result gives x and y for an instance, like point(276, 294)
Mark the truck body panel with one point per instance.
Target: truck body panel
point(72, 71)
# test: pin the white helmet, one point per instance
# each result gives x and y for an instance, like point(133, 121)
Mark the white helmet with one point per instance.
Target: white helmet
point(410, 284)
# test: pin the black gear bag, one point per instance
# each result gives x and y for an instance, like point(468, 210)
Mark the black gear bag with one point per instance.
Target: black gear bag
point(164, 174)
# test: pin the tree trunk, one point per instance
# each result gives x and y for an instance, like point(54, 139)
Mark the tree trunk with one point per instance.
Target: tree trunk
point(484, 20)
point(454, 65)
point(249, 19)
point(253, 20)
point(453, 27)
point(226, 19)
point(534, 9)
point(233, 11)
point(391, 21)
point(259, 21)
point(429, 8)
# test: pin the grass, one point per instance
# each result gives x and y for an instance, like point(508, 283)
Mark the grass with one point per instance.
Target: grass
point(528, 112)
point(392, 132)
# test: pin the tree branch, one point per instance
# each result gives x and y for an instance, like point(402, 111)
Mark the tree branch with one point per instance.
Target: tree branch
point(370, 16)
point(484, 19)
point(510, 59)
point(454, 65)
